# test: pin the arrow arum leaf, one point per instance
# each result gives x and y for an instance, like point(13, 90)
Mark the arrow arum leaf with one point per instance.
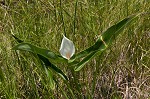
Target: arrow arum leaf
point(43, 55)
point(102, 43)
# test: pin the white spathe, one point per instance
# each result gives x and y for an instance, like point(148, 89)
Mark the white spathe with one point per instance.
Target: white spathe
point(67, 48)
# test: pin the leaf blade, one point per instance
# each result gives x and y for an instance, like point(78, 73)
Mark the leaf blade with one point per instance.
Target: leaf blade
point(47, 63)
point(37, 50)
point(102, 43)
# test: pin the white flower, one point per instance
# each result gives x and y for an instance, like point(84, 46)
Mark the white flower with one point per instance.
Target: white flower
point(67, 48)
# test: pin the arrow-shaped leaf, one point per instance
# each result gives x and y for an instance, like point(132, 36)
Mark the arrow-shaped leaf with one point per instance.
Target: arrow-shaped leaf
point(42, 55)
point(37, 50)
point(102, 43)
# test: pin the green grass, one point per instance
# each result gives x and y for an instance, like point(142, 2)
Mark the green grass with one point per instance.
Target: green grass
point(122, 71)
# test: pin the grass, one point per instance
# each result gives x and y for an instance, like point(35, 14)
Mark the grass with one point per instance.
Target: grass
point(122, 71)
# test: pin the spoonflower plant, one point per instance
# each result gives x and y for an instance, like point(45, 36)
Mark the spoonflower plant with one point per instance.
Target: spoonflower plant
point(67, 48)
point(67, 51)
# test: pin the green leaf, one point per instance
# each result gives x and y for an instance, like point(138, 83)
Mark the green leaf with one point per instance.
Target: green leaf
point(47, 63)
point(84, 61)
point(98, 45)
point(37, 50)
point(17, 39)
point(102, 43)
point(42, 56)
point(81, 64)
